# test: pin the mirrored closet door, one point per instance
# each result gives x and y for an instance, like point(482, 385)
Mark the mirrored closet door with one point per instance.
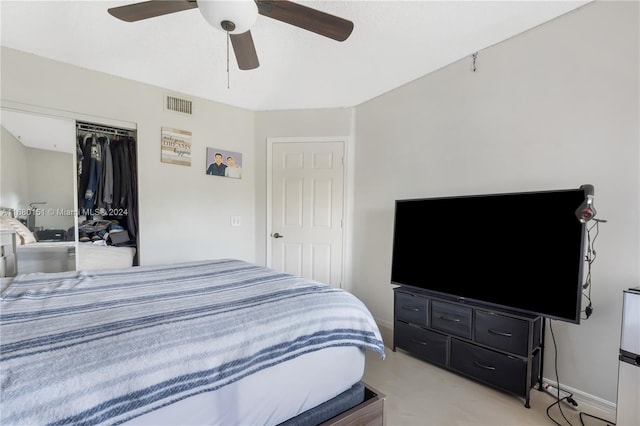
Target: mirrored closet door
point(37, 189)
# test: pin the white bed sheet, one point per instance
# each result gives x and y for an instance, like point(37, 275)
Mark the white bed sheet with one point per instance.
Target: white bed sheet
point(59, 256)
point(270, 396)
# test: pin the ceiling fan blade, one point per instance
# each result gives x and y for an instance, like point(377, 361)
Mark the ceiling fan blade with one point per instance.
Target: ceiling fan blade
point(306, 18)
point(245, 51)
point(150, 9)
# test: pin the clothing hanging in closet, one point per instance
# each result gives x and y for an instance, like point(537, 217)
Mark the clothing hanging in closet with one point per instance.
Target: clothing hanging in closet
point(107, 175)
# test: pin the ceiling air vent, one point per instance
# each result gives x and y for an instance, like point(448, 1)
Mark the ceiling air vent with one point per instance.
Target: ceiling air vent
point(179, 105)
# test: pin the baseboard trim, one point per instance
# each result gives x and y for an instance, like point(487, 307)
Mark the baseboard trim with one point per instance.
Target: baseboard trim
point(384, 324)
point(386, 330)
point(587, 400)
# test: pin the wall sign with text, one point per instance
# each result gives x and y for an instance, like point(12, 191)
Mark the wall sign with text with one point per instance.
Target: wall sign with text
point(176, 146)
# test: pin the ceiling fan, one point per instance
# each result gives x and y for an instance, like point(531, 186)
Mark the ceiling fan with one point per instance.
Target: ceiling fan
point(236, 18)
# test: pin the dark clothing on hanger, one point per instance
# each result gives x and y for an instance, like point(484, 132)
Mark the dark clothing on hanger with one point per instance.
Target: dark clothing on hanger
point(107, 177)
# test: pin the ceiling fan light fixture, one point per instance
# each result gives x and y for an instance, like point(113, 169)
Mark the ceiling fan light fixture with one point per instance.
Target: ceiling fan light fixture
point(242, 13)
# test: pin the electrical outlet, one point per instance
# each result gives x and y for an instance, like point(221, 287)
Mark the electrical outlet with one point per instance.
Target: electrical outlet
point(235, 220)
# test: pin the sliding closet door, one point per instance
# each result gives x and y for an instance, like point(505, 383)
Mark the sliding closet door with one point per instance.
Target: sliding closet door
point(37, 184)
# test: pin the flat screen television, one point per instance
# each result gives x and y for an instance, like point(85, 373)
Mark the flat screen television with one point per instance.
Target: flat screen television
point(521, 251)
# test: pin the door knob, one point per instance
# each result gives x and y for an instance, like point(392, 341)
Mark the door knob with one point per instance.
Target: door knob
point(276, 235)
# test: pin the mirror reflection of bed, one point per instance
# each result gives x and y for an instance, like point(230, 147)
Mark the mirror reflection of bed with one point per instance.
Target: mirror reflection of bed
point(59, 256)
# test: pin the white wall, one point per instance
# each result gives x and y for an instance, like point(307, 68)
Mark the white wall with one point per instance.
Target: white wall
point(553, 108)
point(13, 163)
point(184, 214)
point(49, 176)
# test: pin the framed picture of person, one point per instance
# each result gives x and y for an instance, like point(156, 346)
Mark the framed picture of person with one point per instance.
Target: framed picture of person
point(221, 162)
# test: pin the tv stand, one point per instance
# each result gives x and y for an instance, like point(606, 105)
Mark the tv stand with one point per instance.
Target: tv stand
point(497, 347)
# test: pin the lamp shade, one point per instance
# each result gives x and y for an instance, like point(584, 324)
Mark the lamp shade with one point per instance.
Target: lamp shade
point(242, 13)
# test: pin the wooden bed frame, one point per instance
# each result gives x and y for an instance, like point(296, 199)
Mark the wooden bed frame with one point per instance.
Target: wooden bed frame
point(371, 412)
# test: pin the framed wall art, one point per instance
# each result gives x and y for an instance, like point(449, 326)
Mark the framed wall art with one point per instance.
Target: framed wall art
point(224, 163)
point(176, 147)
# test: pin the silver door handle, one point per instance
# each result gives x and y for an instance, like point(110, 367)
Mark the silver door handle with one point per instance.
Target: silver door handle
point(276, 235)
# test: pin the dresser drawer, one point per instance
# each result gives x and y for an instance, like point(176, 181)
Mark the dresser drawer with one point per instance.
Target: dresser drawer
point(502, 332)
point(451, 318)
point(411, 308)
point(500, 370)
point(424, 344)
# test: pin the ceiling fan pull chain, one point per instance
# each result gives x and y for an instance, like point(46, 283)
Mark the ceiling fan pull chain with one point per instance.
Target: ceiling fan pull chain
point(227, 59)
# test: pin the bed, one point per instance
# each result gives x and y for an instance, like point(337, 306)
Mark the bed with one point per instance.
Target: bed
point(58, 256)
point(220, 342)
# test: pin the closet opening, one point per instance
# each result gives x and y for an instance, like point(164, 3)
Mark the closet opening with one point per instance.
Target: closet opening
point(107, 187)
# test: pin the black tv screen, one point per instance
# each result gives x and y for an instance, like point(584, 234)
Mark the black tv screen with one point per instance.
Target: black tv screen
point(523, 251)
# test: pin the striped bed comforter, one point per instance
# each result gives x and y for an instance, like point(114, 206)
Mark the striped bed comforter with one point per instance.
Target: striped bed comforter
point(102, 347)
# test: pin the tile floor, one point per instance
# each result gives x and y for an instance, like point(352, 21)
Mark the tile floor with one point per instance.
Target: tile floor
point(420, 394)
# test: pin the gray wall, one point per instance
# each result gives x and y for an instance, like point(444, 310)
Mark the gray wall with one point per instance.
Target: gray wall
point(552, 108)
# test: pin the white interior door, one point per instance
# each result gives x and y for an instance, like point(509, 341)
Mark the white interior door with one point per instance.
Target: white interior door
point(307, 199)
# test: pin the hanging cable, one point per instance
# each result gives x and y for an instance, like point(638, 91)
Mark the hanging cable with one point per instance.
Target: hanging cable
point(590, 258)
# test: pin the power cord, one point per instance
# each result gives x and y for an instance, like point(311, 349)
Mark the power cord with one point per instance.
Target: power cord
point(590, 257)
point(555, 367)
point(569, 395)
point(608, 423)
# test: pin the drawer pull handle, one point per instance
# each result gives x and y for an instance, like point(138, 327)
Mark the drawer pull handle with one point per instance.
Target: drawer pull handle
point(500, 333)
point(445, 318)
point(406, 308)
point(418, 342)
point(486, 367)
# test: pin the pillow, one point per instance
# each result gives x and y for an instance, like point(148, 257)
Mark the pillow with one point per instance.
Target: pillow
point(12, 224)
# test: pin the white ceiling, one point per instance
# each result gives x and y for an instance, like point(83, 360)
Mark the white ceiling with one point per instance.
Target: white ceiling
point(393, 43)
point(40, 131)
